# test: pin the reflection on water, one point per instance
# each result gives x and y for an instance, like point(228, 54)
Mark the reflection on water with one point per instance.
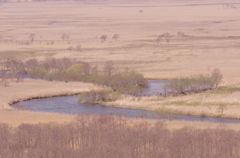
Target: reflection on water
point(155, 87)
point(69, 105)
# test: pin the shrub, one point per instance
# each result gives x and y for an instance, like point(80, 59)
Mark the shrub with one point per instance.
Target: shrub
point(194, 84)
point(75, 69)
point(37, 72)
point(96, 96)
point(130, 82)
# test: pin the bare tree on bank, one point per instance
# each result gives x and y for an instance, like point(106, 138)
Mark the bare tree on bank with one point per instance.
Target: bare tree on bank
point(221, 109)
point(109, 68)
point(15, 68)
point(217, 77)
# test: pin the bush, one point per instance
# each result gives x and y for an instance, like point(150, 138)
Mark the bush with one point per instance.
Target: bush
point(75, 70)
point(37, 72)
point(194, 84)
point(131, 82)
point(98, 96)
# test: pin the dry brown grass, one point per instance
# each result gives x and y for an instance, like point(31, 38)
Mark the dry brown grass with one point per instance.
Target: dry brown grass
point(210, 43)
point(107, 136)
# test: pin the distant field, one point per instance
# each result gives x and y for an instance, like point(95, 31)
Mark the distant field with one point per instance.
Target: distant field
point(210, 37)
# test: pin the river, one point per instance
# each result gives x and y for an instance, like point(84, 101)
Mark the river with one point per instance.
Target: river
point(70, 105)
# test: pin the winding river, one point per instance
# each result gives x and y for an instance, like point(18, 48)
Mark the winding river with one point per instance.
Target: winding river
point(70, 105)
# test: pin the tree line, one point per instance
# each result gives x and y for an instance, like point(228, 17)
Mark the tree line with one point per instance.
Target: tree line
point(65, 69)
point(108, 136)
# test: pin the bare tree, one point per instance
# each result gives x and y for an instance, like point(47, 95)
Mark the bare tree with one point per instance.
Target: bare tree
point(181, 34)
point(165, 88)
point(31, 63)
point(217, 77)
point(65, 37)
point(166, 37)
point(70, 48)
point(95, 70)
point(86, 68)
point(115, 37)
point(32, 37)
point(78, 48)
point(17, 68)
point(221, 108)
point(109, 68)
point(103, 38)
point(5, 82)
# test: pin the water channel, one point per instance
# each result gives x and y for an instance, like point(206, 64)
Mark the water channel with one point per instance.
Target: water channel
point(70, 105)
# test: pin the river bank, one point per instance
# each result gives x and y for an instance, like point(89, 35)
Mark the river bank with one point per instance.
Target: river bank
point(29, 89)
point(32, 89)
point(39, 89)
point(213, 103)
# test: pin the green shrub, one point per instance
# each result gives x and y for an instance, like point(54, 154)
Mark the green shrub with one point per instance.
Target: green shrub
point(75, 70)
point(96, 96)
point(194, 84)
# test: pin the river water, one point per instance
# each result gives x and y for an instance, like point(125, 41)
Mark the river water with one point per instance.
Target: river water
point(70, 105)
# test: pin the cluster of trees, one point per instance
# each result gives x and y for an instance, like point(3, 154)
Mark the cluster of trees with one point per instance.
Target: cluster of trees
point(194, 84)
point(33, 38)
point(166, 37)
point(11, 69)
point(127, 83)
point(109, 136)
point(65, 69)
point(105, 37)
